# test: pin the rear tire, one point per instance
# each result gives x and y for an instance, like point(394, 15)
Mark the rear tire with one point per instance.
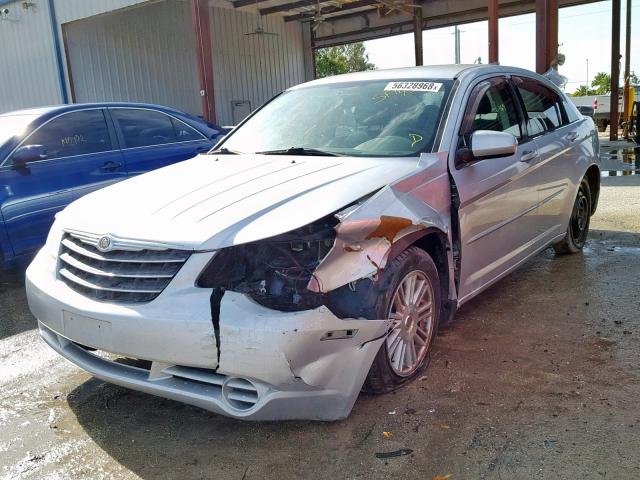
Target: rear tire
point(578, 229)
point(413, 301)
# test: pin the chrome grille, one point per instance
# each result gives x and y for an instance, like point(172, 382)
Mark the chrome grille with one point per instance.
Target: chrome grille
point(128, 273)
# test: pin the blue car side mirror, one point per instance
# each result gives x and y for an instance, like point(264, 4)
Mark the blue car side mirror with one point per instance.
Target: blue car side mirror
point(29, 153)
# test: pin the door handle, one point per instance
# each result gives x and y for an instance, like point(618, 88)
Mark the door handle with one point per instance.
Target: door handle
point(202, 149)
point(110, 166)
point(528, 155)
point(573, 136)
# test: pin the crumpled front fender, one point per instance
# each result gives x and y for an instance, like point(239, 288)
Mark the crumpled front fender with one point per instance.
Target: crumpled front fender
point(418, 202)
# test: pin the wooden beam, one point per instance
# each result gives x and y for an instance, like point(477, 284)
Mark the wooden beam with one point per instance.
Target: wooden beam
point(417, 35)
point(204, 57)
point(494, 14)
point(615, 69)
point(332, 9)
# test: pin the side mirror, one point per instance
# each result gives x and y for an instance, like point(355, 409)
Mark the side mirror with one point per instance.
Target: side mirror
point(487, 144)
point(29, 153)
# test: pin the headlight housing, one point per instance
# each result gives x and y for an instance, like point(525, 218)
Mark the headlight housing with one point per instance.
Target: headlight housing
point(52, 246)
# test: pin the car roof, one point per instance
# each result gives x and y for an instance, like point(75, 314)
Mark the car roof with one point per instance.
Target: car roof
point(82, 106)
point(440, 72)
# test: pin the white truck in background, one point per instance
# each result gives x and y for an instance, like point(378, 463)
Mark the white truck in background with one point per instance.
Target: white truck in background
point(596, 106)
point(599, 106)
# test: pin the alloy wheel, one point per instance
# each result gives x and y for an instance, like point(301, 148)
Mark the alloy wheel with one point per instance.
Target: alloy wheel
point(413, 323)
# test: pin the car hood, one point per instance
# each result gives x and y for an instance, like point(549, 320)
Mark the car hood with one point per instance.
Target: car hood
point(211, 202)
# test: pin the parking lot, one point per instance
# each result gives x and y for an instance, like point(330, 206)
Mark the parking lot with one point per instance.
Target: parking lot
point(539, 378)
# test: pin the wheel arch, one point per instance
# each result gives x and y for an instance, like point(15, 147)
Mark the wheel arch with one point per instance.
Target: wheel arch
point(593, 177)
point(436, 244)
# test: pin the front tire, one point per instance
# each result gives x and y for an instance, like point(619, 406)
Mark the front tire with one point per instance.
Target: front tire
point(578, 229)
point(413, 302)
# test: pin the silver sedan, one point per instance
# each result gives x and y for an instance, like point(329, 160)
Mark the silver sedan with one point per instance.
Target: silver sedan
point(318, 250)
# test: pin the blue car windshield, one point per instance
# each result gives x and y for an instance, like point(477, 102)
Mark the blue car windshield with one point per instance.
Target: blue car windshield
point(13, 125)
point(378, 118)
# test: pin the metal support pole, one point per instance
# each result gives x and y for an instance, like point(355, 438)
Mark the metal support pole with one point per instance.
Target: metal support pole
point(417, 34)
point(204, 57)
point(308, 53)
point(313, 52)
point(546, 34)
point(493, 31)
point(615, 69)
point(62, 84)
point(626, 111)
point(588, 85)
point(456, 33)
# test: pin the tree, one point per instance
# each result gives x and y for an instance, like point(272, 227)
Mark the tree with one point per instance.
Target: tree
point(583, 90)
point(602, 83)
point(633, 78)
point(342, 59)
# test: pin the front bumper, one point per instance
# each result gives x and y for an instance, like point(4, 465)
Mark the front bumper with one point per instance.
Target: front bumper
point(271, 365)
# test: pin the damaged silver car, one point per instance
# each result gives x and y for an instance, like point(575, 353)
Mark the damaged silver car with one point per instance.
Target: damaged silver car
point(317, 250)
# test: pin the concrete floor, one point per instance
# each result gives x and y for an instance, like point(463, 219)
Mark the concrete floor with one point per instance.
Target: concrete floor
point(539, 378)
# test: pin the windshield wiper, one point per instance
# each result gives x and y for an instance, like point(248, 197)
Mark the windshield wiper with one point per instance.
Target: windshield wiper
point(223, 151)
point(299, 151)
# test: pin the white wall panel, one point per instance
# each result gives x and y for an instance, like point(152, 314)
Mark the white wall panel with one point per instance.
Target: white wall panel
point(28, 74)
point(252, 67)
point(69, 10)
point(143, 54)
point(144, 51)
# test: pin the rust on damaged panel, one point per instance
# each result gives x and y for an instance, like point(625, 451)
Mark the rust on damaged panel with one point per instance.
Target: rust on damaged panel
point(389, 227)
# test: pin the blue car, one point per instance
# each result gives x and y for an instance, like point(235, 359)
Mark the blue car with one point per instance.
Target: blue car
point(51, 156)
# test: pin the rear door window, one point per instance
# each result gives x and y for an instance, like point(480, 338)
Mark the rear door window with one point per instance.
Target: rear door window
point(75, 133)
point(573, 114)
point(185, 133)
point(143, 128)
point(543, 107)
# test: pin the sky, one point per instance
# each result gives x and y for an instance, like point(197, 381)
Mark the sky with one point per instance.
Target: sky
point(584, 33)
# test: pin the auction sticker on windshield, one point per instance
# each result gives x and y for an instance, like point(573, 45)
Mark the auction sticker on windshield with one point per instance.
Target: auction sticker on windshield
point(413, 87)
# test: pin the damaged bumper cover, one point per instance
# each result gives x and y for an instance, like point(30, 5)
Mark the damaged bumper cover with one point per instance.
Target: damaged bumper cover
point(271, 365)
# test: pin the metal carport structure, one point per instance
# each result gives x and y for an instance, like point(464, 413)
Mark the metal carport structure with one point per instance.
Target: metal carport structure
point(335, 22)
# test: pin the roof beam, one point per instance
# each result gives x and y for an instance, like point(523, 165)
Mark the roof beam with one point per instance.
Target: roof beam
point(332, 9)
point(371, 33)
point(366, 23)
point(246, 3)
point(287, 6)
point(303, 17)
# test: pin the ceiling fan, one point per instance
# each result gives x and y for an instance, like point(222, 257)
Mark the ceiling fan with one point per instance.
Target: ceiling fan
point(318, 18)
point(387, 7)
point(259, 30)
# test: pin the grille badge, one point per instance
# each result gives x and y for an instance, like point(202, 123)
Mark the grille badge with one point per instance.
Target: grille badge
point(105, 243)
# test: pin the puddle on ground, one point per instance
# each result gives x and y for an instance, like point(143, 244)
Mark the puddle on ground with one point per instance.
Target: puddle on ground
point(620, 162)
point(619, 173)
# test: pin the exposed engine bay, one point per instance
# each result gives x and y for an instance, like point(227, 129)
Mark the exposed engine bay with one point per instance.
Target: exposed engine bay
point(275, 272)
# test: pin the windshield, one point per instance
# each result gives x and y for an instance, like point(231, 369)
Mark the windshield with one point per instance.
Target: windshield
point(12, 125)
point(379, 118)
